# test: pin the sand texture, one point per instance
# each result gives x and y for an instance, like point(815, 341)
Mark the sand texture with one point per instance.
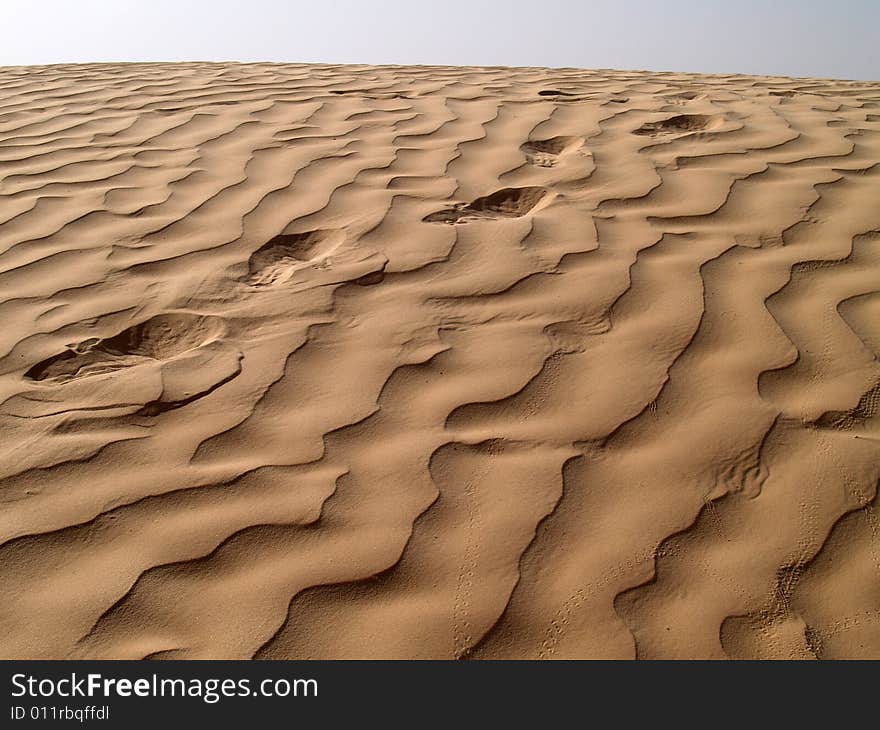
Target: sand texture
point(386, 362)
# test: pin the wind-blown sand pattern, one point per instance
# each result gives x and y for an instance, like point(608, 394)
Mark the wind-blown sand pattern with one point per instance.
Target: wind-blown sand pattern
point(337, 361)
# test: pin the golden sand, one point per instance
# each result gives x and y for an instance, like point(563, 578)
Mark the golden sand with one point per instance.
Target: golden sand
point(347, 361)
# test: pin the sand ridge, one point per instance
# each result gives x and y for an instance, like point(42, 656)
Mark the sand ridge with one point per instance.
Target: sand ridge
point(307, 361)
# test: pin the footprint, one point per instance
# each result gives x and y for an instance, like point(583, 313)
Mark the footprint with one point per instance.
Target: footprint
point(162, 337)
point(571, 337)
point(546, 152)
point(504, 203)
point(276, 261)
point(681, 124)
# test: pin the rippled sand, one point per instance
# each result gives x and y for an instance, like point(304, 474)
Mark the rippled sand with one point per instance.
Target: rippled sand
point(348, 361)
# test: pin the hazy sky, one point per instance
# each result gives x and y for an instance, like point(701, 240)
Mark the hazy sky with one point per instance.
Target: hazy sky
point(839, 39)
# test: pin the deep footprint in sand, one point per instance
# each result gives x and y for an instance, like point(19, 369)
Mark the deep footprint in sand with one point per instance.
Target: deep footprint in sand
point(547, 152)
point(280, 258)
point(684, 96)
point(162, 337)
point(681, 124)
point(504, 203)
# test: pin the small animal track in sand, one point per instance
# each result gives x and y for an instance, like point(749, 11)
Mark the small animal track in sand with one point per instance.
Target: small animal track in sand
point(865, 410)
point(504, 203)
point(680, 124)
point(276, 261)
point(546, 152)
point(162, 337)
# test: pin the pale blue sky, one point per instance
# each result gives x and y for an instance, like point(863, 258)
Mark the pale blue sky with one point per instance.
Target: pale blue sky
point(838, 39)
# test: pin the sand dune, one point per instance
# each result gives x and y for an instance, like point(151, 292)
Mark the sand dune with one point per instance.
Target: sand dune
point(305, 361)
